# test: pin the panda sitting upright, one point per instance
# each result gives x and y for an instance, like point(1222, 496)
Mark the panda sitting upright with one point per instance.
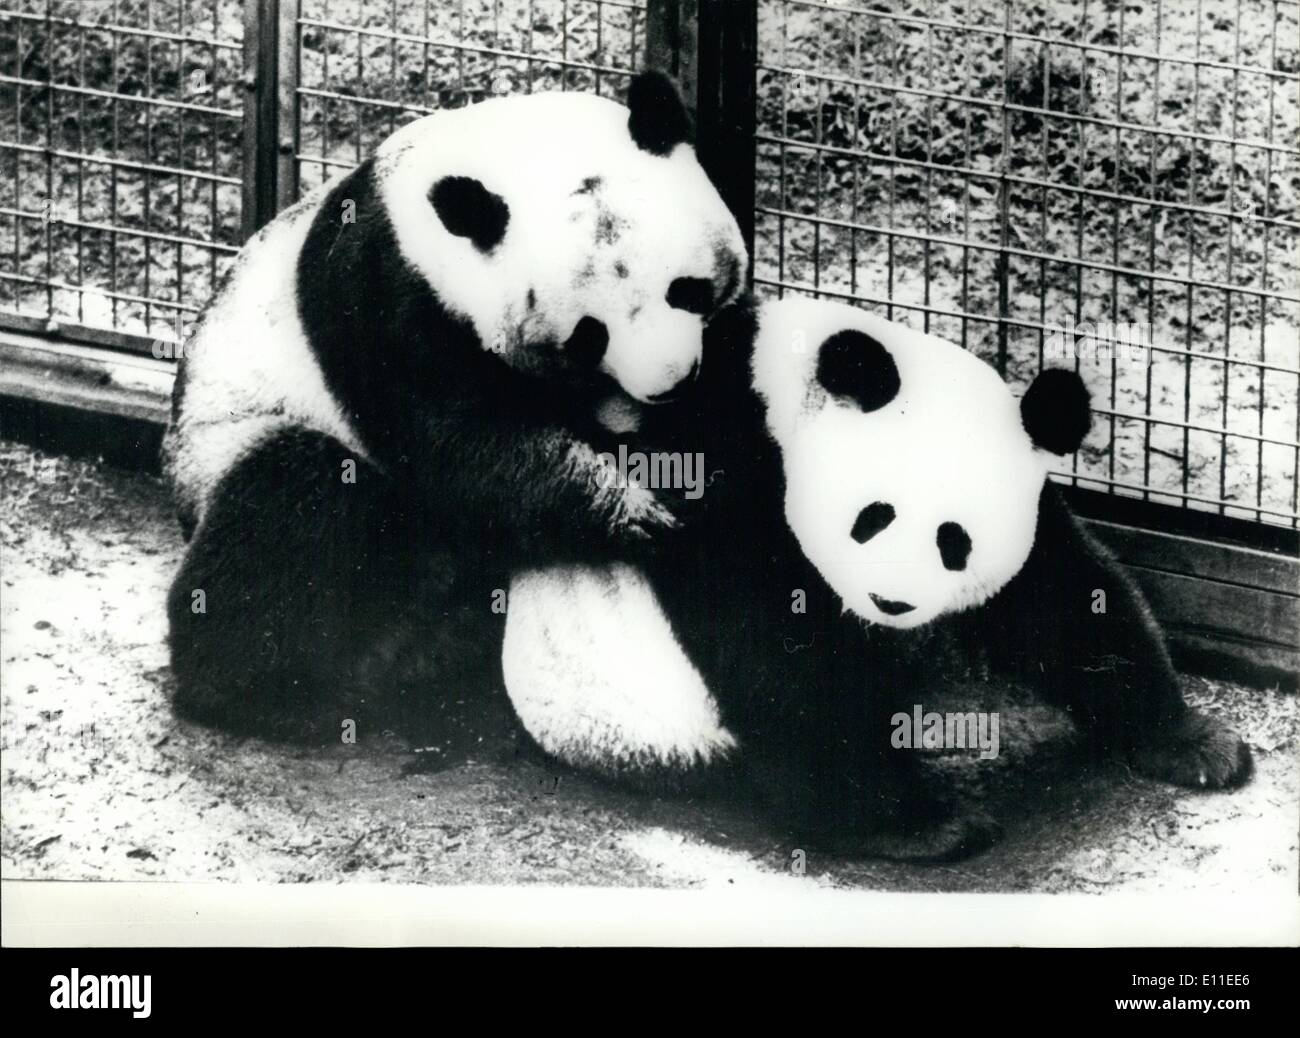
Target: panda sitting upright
point(856, 466)
point(389, 405)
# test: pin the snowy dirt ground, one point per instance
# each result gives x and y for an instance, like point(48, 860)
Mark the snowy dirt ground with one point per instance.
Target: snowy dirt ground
point(101, 782)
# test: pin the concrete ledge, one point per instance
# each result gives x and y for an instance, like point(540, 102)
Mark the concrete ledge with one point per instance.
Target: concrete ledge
point(85, 377)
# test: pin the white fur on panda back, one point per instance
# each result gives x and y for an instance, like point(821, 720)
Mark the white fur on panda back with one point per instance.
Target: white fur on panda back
point(249, 369)
point(597, 676)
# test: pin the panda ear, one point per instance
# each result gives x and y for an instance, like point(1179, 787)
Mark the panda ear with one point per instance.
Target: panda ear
point(1057, 411)
point(469, 210)
point(854, 365)
point(657, 118)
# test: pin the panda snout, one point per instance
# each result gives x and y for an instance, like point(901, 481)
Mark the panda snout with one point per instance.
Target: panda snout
point(677, 389)
point(889, 607)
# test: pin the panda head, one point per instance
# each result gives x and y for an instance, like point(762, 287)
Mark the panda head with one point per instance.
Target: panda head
point(912, 475)
point(580, 238)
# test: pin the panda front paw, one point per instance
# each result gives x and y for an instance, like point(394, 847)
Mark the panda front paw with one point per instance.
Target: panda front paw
point(1200, 753)
point(642, 516)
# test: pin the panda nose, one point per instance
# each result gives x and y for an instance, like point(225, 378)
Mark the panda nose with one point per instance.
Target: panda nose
point(676, 391)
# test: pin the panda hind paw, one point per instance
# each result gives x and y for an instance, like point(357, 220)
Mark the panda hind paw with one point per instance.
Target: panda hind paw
point(1199, 754)
point(952, 839)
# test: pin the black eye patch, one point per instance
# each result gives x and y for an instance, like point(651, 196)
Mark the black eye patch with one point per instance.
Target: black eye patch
point(469, 210)
point(954, 546)
point(694, 295)
point(586, 346)
point(871, 520)
point(854, 365)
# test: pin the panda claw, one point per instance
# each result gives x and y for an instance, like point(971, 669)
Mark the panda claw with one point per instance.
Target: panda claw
point(643, 517)
point(1199, 754)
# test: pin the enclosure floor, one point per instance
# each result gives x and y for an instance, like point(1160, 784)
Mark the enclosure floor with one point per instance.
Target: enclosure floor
point(100, 782)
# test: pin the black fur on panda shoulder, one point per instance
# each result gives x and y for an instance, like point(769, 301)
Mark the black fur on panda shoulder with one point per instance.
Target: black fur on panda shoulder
point(470, 437)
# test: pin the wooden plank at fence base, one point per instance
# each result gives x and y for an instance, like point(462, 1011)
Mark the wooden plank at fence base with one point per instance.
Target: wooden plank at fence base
point(1242, 662)
point(85, 378)
point(1229, 611)
point(1216, 609)
point(43, 330)
point(1196, 556)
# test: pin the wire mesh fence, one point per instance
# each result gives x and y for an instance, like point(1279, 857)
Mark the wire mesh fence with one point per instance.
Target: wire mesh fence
point(1109, 186)
point(366, 67)
point(120, 127)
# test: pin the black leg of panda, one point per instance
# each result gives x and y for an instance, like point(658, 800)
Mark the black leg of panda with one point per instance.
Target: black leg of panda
point(1077, 625)
point(809, 699)
point(844, 795)
point(309, 597)
point(855, 794)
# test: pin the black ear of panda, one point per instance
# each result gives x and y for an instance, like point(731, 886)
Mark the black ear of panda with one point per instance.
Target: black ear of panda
point(469, 210)
point(854, 365)
point(657, 118)
point(1057, 411)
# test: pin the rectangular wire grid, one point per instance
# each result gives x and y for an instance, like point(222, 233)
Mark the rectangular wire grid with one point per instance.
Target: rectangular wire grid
point(367, 66)
point(1003, 174)
point(120, 129)
point(121, 124)
point(991, 171)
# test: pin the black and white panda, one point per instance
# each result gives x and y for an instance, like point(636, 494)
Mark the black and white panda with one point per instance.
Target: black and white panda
point(870, 469)
point(391, 403)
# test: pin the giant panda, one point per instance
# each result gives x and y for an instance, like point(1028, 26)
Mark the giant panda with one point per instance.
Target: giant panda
point(393, 400)
point(868, 469)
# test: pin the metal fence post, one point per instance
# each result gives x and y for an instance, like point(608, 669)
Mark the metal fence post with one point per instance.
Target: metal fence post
point(286, 100)
point(270, 82)
point(259, 116)
point(711, 48)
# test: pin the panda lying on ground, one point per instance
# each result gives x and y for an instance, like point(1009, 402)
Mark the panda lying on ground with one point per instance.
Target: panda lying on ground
point(856, 465)
point(389, 406)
